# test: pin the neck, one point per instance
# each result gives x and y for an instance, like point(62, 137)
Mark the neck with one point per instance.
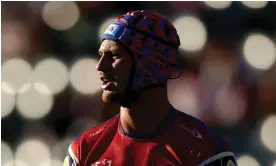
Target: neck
point(145, 115)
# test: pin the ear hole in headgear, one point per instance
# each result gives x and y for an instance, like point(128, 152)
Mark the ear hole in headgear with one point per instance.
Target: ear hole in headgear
point(172, 78)
point(176, 67)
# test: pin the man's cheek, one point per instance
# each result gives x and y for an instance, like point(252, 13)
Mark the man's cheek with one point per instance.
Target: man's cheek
point(116, 64)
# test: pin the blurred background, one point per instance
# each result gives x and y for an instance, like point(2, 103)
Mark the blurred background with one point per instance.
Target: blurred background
point(50, 90)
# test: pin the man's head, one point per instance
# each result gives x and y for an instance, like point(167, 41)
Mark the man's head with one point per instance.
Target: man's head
point(114, 66)
point(151, 44)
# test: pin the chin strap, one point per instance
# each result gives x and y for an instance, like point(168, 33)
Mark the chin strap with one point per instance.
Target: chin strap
point(131, 96)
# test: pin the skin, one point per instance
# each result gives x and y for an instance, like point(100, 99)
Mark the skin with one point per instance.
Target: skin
point(144, 115)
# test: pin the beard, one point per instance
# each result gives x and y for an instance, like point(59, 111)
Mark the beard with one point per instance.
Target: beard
point(112, 97)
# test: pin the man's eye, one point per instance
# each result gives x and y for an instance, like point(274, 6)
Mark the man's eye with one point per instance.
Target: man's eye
point(100, 54)
point(116, 56)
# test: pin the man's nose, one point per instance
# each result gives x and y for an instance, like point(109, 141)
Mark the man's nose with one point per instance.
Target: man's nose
point(102, 64)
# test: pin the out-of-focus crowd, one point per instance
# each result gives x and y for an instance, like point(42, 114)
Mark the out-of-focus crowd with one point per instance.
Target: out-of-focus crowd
point(50, 90)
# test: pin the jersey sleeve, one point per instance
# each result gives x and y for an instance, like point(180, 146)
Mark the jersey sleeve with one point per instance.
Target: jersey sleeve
point(220, 159)
point(80, 149)
point(72, 157)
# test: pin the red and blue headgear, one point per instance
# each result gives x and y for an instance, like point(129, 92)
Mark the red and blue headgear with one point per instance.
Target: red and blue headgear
point(153, 43)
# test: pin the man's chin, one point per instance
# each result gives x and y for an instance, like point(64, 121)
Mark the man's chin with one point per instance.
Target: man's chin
point(110, 97)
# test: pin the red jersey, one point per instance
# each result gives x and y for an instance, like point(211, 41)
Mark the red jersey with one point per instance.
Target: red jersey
point(180, 140)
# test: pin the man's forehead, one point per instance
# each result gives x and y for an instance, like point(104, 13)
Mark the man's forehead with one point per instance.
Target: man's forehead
point(108, 45)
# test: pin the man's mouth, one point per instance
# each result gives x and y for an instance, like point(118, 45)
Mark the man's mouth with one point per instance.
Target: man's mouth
point(107, 85)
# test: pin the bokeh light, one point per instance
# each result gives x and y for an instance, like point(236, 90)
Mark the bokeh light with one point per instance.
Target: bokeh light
point(40, 87)
point(185, 97)
point(259, 51)
point(16, 163)
point(6, 154)
point(33, 152)
point(60, 15)
point(192, 33)
point(230, 106)
point(274, 164)
point(268, 133)
point(84, 76)
point(36, 7)
point(254, 4)
point(104, 26)
point(15, 38)
point(218, 4)
point(52, 163)
point(16, 72)
point(52, 73)
point(247, 160)
point(34, 103)
point(7, 99)
point(80, 125)
point(60, 149)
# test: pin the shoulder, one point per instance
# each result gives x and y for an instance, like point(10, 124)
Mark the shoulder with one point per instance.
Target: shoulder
point(198, 130)
point(211, 147)
point(79, 149)
point(220, 159)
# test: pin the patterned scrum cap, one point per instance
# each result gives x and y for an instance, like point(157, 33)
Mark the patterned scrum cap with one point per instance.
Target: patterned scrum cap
point(153, 42)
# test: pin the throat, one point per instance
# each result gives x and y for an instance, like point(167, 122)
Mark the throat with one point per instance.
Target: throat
point(147, 113)
point(142, 125)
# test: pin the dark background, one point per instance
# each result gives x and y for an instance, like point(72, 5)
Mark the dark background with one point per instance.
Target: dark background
point(51, 93)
